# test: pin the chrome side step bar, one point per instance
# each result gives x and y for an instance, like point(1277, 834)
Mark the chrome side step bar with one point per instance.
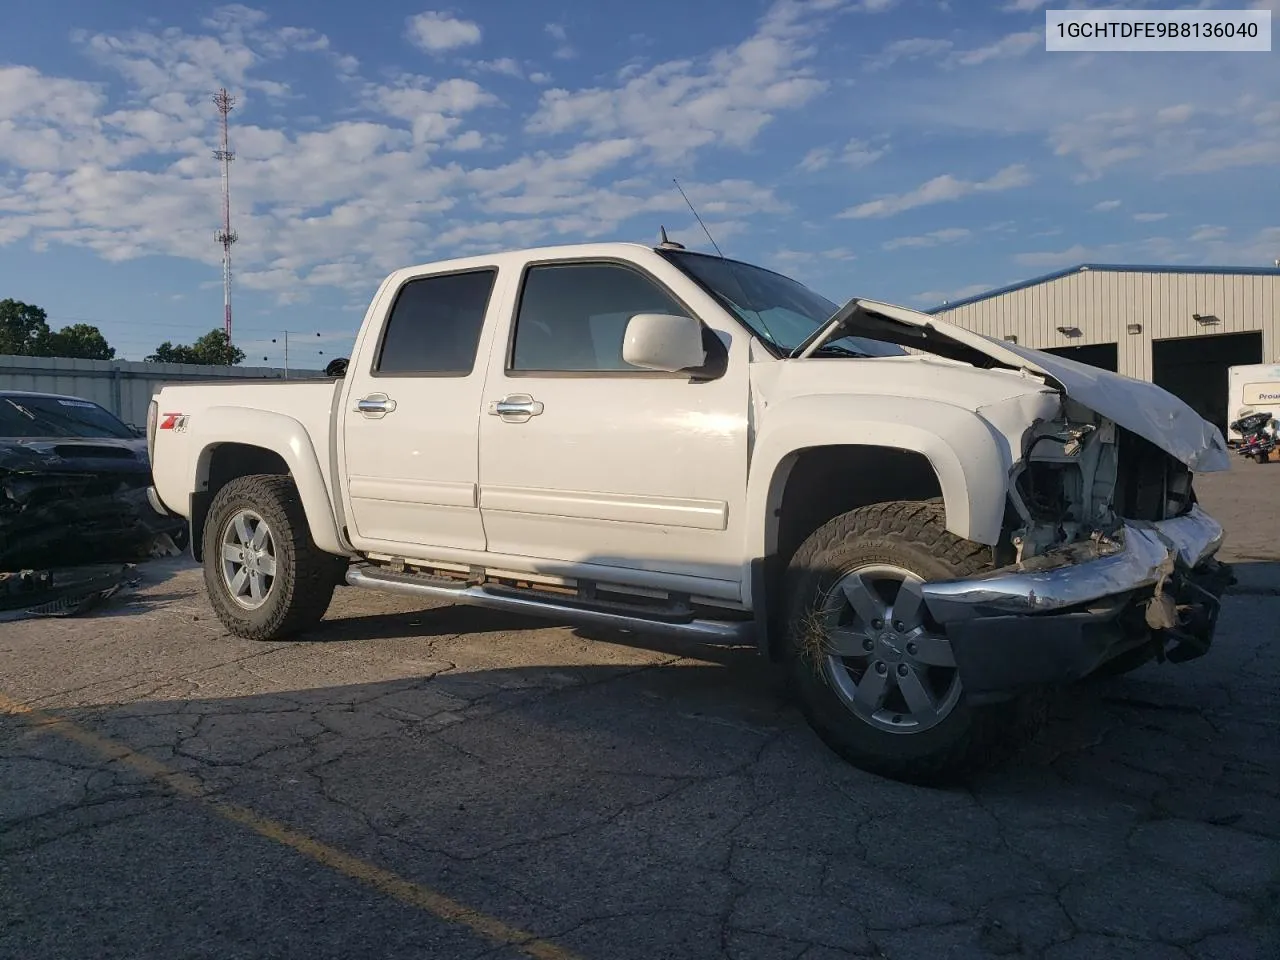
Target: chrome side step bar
point(708, 631)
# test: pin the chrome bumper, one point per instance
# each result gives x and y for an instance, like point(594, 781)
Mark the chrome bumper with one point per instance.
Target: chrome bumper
point(1082, 573)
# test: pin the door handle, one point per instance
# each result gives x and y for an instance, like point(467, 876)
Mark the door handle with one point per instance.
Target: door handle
point(516, 407)
point(375, 405)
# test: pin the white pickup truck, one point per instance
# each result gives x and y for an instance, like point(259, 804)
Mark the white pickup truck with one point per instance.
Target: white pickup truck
point(922, 525)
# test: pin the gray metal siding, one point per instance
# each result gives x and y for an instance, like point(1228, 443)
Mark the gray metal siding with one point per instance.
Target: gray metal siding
point(1102, 303)
point(124, 387)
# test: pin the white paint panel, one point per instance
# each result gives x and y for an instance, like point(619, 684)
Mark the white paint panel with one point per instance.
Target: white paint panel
point(617, 449)
point(629, 508)
point(440, 493)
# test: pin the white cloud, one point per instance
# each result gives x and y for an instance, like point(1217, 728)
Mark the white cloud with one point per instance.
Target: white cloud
point(471, 140)
point(435, 32)
point(680, 106)
point(816, 159)
point(564, 50)
point(433, 112)
point(860, 153)
point(1048, 259)
point(1149, 217)
point(940, 190)
point(1006, 48)
point(503, 65)
point(932, 239)
point(938, 297)
point(1179, 113)
point(791, 257)
point(1207, 232)
point(1210, 247)
point(1168, 120)
point(856, 154)
point(1102, 206)
point(338, 202)
point(912, 48)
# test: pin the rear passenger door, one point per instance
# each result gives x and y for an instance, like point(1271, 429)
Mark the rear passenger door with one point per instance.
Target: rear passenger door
point(408, 431)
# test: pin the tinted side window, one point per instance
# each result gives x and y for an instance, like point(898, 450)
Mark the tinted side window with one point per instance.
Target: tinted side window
point(573, 316)
point(435, 324)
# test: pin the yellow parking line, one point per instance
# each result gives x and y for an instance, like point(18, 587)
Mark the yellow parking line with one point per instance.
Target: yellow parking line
point(385, 881)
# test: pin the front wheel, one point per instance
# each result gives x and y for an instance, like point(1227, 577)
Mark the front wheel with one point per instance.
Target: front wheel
point(876, 679)
point(264, 574)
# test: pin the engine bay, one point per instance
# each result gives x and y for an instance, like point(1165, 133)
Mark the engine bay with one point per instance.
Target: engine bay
point(1081, 476)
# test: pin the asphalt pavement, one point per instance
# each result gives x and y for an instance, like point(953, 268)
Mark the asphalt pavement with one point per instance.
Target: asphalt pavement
point(452, 783)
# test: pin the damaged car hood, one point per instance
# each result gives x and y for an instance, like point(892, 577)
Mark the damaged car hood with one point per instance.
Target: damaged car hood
point(70, 500)
point(1149, 411)
point(73, 453)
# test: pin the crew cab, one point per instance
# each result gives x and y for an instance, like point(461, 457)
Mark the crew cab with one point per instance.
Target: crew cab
point(922, 526)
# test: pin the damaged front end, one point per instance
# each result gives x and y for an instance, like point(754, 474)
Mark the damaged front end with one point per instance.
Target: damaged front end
point(1081, 476)
point(1106, 558)
point(70, 502)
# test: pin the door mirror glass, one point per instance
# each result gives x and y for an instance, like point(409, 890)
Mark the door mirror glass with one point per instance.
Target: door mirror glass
point(661, 341)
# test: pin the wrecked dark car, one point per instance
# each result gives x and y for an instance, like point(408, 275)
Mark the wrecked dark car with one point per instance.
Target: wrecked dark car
point(73, 486)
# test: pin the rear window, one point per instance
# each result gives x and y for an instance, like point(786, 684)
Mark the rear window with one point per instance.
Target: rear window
point(32, 417)
point(435, 323)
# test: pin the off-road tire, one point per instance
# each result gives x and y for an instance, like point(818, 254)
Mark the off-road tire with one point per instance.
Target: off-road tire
point(305, 575)
point(910, 535)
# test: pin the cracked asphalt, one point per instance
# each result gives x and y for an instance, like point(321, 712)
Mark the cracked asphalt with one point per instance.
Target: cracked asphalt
point(453, 783)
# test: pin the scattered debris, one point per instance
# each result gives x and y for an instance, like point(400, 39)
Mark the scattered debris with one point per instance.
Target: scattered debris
point(65, 592)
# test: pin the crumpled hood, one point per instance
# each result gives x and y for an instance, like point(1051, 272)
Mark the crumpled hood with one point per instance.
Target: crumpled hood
point(1149, 411)
point(73, 453)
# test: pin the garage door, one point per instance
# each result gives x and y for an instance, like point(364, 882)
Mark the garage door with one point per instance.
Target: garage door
point(1195, 368)
point(1104, 355)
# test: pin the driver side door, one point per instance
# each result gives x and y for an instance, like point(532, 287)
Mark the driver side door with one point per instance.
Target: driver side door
point(603, 464)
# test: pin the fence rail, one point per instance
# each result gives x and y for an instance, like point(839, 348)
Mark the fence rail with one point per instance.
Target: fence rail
point(124, 387)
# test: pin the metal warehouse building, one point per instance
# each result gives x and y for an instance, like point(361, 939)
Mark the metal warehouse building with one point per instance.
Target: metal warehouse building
point(1181, 327)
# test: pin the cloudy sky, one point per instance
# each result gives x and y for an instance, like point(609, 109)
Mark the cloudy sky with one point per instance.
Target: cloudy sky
point(910, 150)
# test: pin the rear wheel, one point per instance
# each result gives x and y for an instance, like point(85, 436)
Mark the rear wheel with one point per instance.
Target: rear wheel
point(876, 678)
point(264, 574)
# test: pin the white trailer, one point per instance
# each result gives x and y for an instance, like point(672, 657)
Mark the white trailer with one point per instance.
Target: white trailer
point(1255, 385)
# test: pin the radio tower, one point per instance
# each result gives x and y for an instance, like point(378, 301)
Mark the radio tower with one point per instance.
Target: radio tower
point(226, 236)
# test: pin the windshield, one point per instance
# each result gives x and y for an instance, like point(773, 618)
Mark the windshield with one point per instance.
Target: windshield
point(779, 310)
point(29, 417)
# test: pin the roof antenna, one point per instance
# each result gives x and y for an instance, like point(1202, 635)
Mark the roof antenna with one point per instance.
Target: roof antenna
point(668, 244)
point(733, 270)
point(698, 218)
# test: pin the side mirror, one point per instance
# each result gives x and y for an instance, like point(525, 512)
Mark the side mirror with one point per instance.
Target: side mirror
point(661, 341)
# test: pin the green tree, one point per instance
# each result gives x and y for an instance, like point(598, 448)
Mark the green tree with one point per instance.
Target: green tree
point(24, 332)
point(212, 349)
point(80, 340)
point(22, 327)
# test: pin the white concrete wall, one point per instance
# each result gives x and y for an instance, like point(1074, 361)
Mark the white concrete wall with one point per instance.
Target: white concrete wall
point(124, 387)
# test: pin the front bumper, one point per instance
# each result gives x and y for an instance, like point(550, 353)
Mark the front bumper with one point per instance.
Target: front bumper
point(1060, 616)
